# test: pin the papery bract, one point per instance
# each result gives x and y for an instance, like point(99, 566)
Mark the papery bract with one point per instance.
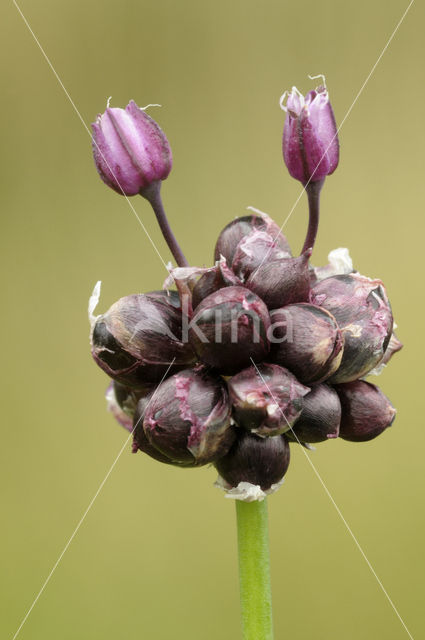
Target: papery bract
point(340, 263)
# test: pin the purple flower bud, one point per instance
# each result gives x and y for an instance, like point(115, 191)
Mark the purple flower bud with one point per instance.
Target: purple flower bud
point(363, 313)
point(366, 411)
point(229, 328)
point(188, 419)
point(282, 282)
point(258, 461)
point(267, 400)
point(254, 249)
point(130, 150)
point(138, 339)
point(307, 340)
point(320, 417)
point(310, 140)
point(237, 229)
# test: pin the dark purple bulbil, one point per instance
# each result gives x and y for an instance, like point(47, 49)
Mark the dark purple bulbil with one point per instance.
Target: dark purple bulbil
point(260, 461)
point(139, 339)
point(282, 282)
point(366, 411)
point(214, 279)
point(188, 418)
point(237, 229)
point(363, 313)
point(267, 400)
point(229, 328)
point(254, 249)
point(320, 418)
point(310, 341)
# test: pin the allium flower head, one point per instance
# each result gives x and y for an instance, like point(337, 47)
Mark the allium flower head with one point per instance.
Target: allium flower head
point(310, 141)
point(233, 363)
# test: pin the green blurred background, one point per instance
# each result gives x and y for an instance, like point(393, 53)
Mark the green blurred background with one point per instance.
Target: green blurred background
point(156, 555)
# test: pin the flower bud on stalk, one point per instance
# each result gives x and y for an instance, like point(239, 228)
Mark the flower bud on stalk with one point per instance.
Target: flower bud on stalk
point(133, 156)
point(188, 419)
point(306, 340)
point(130, 150)
point(137, 340)
point(267, 400)
point(229, 328)
point(282, 282)
point(310, 140)
point(310, 146)
point(320, 418)
point(366, 411)
point(363, 313)
point(261, 462)
point(237, 229)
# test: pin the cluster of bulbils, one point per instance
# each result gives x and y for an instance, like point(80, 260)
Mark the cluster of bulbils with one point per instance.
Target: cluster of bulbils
point(229, 364)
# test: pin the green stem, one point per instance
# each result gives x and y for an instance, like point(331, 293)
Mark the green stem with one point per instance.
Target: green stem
point(254, 570)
